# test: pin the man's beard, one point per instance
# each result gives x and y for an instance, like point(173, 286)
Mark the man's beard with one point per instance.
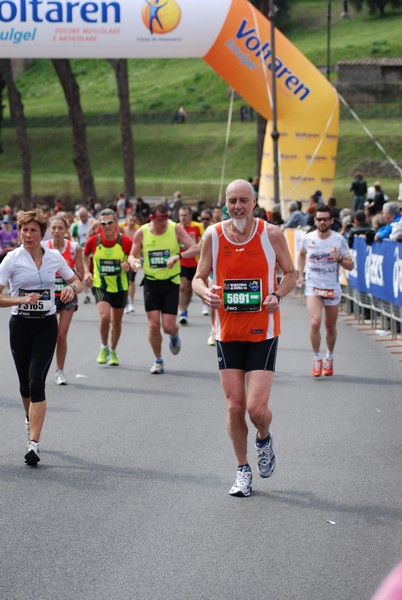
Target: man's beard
point(324, 228)
point(240, 224)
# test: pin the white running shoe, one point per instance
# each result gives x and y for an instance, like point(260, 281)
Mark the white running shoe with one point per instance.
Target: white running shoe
point(157, 367)
point(266, 458)
point(205, 310)
point(60, 378)
point(243, 484)
point(32, 454)
point(129, 308)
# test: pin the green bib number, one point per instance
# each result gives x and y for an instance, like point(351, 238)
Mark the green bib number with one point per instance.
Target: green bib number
point(242, 295)
point(109, 267)
point(59, 285)
point(158, 258)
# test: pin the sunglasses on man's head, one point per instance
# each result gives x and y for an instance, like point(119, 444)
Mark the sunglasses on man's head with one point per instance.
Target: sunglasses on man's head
point(103, 223)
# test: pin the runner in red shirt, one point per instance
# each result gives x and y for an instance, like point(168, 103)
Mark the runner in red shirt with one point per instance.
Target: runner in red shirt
point(188, 265)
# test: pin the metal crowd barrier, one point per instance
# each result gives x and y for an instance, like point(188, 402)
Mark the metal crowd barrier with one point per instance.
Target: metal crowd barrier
point(381, 314)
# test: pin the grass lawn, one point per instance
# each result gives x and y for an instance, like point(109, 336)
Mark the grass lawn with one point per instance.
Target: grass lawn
point(169, 157)
point(190, 157)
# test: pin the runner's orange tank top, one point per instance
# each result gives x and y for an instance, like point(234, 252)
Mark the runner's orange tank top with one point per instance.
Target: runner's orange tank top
point(67, 254)
point(246, 273)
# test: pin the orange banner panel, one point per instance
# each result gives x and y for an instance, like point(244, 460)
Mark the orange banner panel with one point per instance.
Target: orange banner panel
point(307, 104)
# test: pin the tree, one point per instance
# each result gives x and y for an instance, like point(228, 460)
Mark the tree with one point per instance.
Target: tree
point(281, 21)
point(375, 6)
point(81, 154)
point(17, 114)
point(121, 73)
point(2, 88)
point(282, 15)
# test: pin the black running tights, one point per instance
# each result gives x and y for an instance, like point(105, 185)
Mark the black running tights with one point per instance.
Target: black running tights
point(32, 343)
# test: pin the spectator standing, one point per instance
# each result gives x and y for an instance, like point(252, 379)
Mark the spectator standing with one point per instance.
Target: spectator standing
point(296, 217)
point(312, 205)
point(256, 186)
point(8, 237)
point(392, 217)
point(336, 212)
point(376, 204)
point(177, 203)
point(243, 113)
point(318, 195)
point(182, 114)
point(359, 227)
point(359, 189)
point(121, 207)
point(275, 216)
point(142, 210)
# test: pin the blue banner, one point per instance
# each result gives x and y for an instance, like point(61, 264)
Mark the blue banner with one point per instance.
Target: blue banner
point(378, 269)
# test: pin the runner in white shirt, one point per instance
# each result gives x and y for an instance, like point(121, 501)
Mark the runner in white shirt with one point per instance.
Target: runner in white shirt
point(79, 232)
point(322, 253)
point(30, 273)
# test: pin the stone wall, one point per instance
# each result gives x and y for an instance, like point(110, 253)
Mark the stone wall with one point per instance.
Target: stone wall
point(370, 80)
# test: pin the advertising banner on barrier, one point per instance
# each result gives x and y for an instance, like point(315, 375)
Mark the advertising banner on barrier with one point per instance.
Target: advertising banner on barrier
point(294, 238)
point(232, 36)
point(378, 270)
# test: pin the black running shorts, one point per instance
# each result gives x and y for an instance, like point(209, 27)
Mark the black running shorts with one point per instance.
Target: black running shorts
point(188, 272)
point(248, 356)
point(161, 295)
point(115, 299)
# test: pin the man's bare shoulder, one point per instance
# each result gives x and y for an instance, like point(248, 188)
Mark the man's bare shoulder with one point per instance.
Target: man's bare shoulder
point(208, 231)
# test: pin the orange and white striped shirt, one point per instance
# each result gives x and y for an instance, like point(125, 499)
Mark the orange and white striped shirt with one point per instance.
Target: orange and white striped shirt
point(246, 273)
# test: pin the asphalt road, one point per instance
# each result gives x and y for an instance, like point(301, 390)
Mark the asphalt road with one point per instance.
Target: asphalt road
point(130, 499)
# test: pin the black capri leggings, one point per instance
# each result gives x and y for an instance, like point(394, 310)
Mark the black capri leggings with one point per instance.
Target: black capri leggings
point(32, 343)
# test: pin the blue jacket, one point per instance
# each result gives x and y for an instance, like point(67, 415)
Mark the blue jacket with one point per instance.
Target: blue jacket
point(385, 231)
